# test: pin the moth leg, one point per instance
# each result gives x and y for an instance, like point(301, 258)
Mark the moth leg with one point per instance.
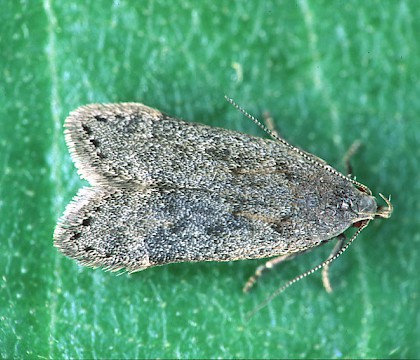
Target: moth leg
point(353, 149)
point(268, 266)
point(269, 123)
point(341, 239)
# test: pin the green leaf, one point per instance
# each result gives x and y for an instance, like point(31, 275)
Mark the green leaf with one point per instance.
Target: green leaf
point(328, 72)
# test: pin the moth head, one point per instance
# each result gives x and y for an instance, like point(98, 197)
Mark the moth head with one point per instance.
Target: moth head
point(367, 208)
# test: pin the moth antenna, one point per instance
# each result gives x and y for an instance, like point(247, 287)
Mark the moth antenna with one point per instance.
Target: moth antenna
point(306, 273)
point(256, 121)
point(300, 152)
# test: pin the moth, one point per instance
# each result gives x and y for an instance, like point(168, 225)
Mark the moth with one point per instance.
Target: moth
point(165, 191)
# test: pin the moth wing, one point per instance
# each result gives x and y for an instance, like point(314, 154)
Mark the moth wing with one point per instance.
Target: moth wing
point(132, 145)
point(133, 230)
point(105, 140)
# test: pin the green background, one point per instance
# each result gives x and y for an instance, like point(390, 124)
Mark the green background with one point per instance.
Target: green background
point(329, 73)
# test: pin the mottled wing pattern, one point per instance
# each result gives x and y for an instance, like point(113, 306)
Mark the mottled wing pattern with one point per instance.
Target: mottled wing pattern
point(165, 190)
